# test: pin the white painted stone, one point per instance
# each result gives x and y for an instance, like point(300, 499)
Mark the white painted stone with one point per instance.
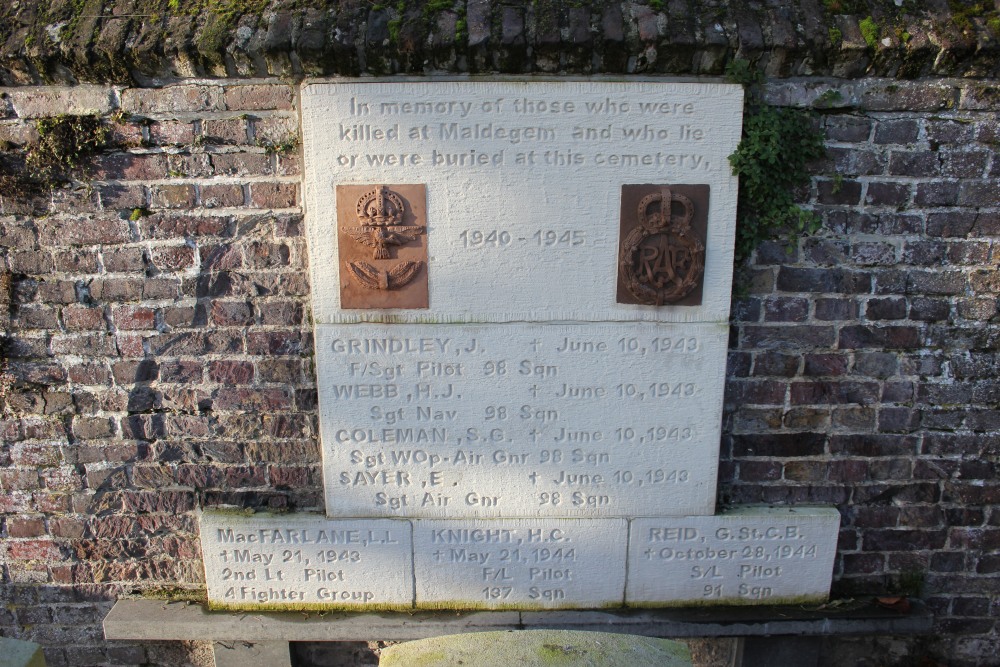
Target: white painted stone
point(749, 555)
point(529, 239)
point(300, 561)
point(519, 564)
point(520, 420)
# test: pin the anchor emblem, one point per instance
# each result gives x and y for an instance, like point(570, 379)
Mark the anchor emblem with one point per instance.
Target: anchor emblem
point(380, 213)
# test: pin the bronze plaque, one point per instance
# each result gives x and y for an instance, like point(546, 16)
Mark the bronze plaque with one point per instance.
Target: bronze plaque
point(661, 245)
point(382, 236)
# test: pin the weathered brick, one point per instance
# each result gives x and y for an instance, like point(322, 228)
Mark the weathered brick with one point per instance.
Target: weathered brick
point(258, 97)
point(122, 260)
point(775, 363)
point(276, 131)
point(936, 193)
point(887, 193)
point(896, 132)
point(914, 163)
point(231, 372)
point(929, 309)
point(785, 309)
point(134, 317)
point(171, 133)
point(131, 166)
point(978, 193)
point(225, 131)
point(965, 164)
point(886, 309)
point(792, 279)
point(224, 196)
point(84, 230)
point(835, 309)
point(174, 196)
point(83, 318)
point(273, 195)
point(784, 337)
point(241, 164)
point(854, 129)
point(833, 392)
point(825, 365)
point(781, 445)
point(174, 98)
point(838, 192)
point(890, 337)
point(172, 258)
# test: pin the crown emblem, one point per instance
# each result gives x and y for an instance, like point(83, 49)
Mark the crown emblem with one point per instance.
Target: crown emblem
point(380, 212)
point(661, 260)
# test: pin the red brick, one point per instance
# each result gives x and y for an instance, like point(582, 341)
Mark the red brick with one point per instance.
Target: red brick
point(273, 195)
point(83, 230)
point(222, 196)
point(174, 196)
point(173, 98)
point(134, 317)
point(258, 97)
point(172, 258)
point(231, 372)
point(170, 132)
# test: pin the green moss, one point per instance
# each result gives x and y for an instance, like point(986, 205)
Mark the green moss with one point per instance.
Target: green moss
point(870, 31)
point(771, 160)
point(836, 36)
point(63, 152)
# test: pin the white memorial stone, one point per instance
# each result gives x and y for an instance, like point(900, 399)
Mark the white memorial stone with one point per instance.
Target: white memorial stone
point(749, 555)
point(519, 564)
point(520, 420)
point(523, 187)
point(525, 419)
point(301, 561)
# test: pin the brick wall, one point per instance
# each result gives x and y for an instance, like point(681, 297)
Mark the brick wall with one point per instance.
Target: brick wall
point(158, 330)
point(156, 317)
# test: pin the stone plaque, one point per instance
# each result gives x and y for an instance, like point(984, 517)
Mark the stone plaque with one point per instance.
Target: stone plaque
point(523, 188)
point(301, 561)
point(519, 564)
point(520, 420)
point(383, 246)
point(750, 555)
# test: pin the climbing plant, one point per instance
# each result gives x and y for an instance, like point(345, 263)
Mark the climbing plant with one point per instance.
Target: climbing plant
point(771, 160)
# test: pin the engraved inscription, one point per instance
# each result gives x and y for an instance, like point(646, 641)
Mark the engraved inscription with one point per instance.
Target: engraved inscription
point(305, 562)
point(745, 556)
point(510, 563)
point(661, 259)
point(521, 182)
point(510, 420)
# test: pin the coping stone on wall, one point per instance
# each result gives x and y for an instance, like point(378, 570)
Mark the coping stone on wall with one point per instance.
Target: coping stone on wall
point(95, 42)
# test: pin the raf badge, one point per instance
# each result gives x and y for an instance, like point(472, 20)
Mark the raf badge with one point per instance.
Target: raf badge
point(661, 252)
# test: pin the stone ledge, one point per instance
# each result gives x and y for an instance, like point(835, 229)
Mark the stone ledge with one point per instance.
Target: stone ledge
point(146, 42)
point(162, 620)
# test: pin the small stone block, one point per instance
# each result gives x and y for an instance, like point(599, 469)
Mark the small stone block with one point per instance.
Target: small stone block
point(538, 647)
point(17, 653)
point(302, 561)
point(747, 556)
point(242, 653)
point(519, 563)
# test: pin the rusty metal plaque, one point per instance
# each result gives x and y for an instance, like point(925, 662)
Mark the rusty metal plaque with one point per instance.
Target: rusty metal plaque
point(382, 237)
point(661, 244)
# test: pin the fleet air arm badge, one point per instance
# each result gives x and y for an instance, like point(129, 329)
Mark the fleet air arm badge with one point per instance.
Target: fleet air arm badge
point(382, 244)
